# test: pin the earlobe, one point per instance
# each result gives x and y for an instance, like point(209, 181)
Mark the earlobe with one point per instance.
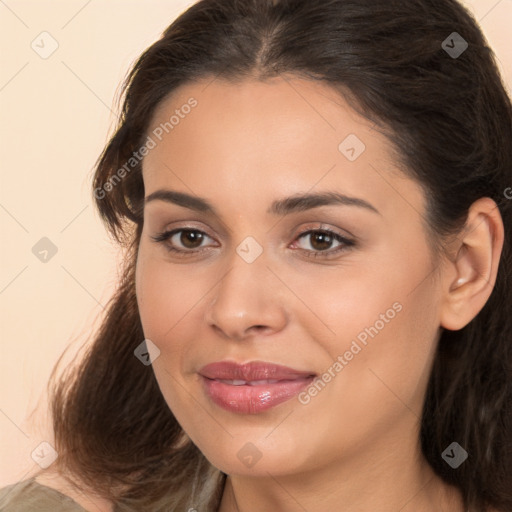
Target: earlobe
point(471, 275)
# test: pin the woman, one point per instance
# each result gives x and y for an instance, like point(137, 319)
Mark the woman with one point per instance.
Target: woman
point(314, 199)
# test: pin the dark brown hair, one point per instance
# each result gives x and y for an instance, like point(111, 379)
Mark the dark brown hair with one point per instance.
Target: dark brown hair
point(450, 121)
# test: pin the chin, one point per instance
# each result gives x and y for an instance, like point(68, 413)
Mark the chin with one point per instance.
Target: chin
point(259, 457)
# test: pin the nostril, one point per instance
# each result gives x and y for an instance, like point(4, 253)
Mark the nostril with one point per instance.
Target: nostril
point(260, 328)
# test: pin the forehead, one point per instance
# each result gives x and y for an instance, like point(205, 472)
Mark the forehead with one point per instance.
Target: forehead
point(309, 107)
point(255, 137)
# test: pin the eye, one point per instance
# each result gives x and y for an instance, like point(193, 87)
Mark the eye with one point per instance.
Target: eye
point(313, 243)
point(182, 240)
point(319, 242)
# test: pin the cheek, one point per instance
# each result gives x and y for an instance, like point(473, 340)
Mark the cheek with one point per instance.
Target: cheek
point(384, 325)
point(352, 301)
point(166, 295)
point(165, 300)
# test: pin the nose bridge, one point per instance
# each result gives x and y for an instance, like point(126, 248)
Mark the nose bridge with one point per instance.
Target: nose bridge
point(244, 300)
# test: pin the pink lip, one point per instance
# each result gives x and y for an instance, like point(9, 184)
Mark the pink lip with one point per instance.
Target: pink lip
point(252, 398)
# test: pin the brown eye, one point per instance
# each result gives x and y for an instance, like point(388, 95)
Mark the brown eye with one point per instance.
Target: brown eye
point(183, 241)
point(191, 239)
point(321, 241)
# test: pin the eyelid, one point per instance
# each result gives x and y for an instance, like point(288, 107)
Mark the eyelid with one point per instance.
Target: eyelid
point(345, 243)
point(184, 226)
point(322, 226)
point(166, 234)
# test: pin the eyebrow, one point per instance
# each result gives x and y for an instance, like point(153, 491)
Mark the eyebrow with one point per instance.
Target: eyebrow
point(285, 206)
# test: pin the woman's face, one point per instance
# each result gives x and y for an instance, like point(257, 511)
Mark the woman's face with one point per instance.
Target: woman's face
point(310, 254)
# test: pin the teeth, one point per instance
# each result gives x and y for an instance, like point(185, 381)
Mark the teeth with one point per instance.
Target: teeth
point(250, 383)
point(259, 382)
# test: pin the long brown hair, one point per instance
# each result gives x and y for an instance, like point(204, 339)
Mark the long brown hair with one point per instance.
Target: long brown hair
point(449, 119)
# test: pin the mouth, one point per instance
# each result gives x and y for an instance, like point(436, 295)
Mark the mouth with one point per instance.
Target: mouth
point(254, 387)
point(247, 382)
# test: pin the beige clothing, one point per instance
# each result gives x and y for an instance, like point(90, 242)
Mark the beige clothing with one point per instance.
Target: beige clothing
point(31, 496)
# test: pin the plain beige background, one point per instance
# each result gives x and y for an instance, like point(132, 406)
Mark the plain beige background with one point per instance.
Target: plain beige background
point(56, 113)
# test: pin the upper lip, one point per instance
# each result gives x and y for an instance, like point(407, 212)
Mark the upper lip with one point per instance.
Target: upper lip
point(254, 370)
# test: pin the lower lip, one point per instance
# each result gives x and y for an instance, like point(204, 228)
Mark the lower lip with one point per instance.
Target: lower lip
point(248, 399)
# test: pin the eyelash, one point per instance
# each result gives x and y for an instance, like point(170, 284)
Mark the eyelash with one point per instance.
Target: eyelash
point(345, 242)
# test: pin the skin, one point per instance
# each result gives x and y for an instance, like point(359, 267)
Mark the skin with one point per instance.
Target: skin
point(355, 445)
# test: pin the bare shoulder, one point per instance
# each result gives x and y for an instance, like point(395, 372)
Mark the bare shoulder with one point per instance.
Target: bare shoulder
point(89, 501)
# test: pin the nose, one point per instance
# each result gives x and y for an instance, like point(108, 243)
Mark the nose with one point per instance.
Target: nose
point(246, 301)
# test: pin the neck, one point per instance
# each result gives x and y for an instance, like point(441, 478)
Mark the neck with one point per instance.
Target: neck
point(398, 479)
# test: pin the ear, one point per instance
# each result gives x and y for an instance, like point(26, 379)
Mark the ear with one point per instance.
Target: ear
point(470, 275)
